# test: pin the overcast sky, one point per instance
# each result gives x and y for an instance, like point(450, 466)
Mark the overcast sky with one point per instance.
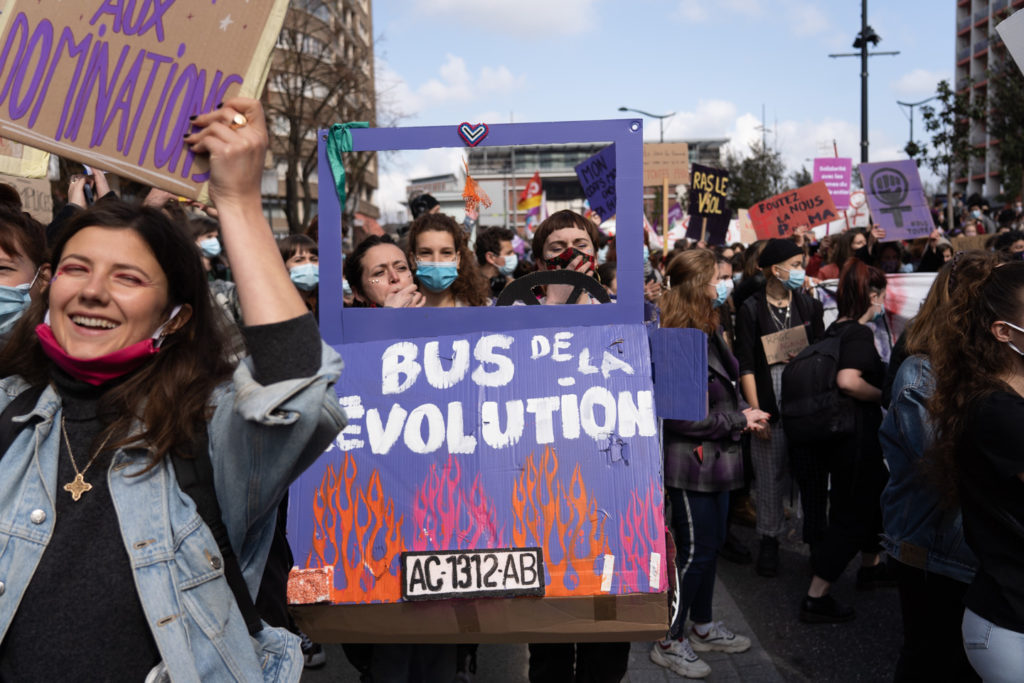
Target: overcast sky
point(714, 63)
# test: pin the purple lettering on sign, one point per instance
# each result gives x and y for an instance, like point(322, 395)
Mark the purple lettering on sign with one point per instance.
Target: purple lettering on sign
point(44, 33)
point(171, 152)
point(158, 60)
point(150, 15)
point(159, 108)
point(18, 29)
point(66, 38)
point(123, 105)
point(106, 89)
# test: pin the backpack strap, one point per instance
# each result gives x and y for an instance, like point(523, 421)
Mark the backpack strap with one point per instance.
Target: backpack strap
point(22, 403)
point(195, 478)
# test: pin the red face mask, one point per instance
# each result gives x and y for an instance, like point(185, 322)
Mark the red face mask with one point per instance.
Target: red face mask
point(96, 371)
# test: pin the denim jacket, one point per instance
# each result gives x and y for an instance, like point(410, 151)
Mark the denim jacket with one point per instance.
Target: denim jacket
point(917, 530)
point(261, 438)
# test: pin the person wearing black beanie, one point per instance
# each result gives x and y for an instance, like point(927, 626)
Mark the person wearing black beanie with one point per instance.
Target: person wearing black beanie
point(779, 304)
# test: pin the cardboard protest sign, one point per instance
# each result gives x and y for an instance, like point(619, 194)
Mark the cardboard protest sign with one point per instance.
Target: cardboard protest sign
point(21, 160)
point(112, 83)
point(666, 161)
point(708, 211)
point(836, 173)
point(1011, 30)
point(780, 346)
point(597, 176)
point(778, 216)
point(896, 199)
point(498, 439)
point(36, 196)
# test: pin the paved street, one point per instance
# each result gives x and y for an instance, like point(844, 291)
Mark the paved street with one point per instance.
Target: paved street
point(764, 609)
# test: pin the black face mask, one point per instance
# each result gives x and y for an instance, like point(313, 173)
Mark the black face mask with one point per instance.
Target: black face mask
point(863, 254)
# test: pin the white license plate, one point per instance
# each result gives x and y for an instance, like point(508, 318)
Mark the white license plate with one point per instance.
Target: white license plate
point(437, 575)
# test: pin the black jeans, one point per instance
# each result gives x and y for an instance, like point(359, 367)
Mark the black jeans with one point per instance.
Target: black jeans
point(933, 608)
point(595, 662)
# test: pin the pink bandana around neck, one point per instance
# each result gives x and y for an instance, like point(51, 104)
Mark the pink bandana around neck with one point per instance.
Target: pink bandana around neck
point(96, 371)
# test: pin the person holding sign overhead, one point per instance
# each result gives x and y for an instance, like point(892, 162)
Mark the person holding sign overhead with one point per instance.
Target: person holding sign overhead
point(769, 320)
point(139, 487)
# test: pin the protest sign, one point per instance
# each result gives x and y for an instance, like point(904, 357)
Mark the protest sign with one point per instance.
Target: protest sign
point(778, 216)
point(666, 162)
point(403, 504)
point(708, 211)
point(21, 160)
point(1011, 30)
point(835, 173)
point(783, 345)
point(597, 176)
point(896, 199)
point(747, 233)
point(36, 196)
point(112, 84)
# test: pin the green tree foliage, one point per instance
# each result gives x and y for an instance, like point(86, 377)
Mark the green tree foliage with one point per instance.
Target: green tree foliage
point(950, 125)
point(1006, 124)
point(754, 176)
point(800, 178)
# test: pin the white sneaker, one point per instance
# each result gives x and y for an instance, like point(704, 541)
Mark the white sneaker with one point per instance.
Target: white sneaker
point(720, 639)
point(678, 656)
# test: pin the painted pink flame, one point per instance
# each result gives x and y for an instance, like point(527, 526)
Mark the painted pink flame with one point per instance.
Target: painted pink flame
point(640, 532)
point(448, 518)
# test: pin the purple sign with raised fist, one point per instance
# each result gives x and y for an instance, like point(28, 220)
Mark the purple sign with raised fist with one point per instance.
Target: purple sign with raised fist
point(896, 199)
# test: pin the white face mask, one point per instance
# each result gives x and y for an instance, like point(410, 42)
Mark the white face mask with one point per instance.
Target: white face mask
point(1010, 343)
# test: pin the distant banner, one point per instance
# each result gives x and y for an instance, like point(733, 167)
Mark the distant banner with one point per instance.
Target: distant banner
point(597, 176)
point(778, 216)
point(896, 199)
point(836, 174)
point(709, 215)
point(112, 83)
point(1011, 31)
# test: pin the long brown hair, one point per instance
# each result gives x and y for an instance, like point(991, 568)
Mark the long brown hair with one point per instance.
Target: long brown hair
point(170, 394)
point(470, 286)
point(686, 304)
point(922, 332)
point(968, 361)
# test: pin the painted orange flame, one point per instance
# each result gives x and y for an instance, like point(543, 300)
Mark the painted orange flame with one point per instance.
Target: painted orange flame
point(565, 524)
point(364, 527)
point(638, 530)
point(446, 518)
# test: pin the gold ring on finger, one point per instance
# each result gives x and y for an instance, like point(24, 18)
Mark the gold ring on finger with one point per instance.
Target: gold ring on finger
point(238, 121)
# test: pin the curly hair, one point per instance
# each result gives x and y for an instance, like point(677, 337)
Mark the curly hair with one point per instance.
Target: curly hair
point(686, 304)
point(968, 361)
point(469, 287)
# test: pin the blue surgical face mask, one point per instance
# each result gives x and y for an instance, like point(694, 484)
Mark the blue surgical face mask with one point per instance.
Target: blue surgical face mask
point(306, 276)
point(976, 213)
point(602, 255)
point(511, 261)
point(647, 253)
point(437, 277)
point(795, 280)
point(722, 291)
point(880, 314)
point(210, 247)
point(13, 302)
point(736, 277)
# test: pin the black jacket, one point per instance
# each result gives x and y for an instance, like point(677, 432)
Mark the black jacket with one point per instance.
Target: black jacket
point(752, 322)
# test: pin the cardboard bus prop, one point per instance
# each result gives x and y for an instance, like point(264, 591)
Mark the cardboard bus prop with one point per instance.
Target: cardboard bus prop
point(112, 83)
point(500, 478)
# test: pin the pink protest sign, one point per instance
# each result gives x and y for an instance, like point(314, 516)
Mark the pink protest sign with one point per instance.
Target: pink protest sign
point(835, 173)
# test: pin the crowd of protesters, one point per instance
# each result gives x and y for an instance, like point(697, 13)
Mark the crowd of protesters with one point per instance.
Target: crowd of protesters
point(929, 490)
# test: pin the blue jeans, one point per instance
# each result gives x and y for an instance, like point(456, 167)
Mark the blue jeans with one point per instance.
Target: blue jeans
point(996, 653)
point(698, 522)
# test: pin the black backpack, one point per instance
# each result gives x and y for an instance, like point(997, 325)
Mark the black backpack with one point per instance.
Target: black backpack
point(195, 477)
point(813, 409)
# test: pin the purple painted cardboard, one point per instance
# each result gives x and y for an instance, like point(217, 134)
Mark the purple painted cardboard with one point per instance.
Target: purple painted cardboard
point(896, 199)
point(338, 325)
point(527, 438)
point(836, 172)
point(679, 354)
point(597, 176)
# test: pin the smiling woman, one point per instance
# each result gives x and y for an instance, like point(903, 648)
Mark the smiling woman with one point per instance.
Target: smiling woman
point(131, 386)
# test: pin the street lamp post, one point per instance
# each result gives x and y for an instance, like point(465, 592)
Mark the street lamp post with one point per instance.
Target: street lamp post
point(661, 120)
point(866, 36)
point(912, 148)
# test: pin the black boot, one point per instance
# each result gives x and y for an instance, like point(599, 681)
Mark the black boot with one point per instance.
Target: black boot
point(733, 550)
point(768, 557)
point(824, 610)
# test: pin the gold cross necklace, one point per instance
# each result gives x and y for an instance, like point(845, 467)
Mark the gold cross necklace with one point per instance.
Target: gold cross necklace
point(79, 485)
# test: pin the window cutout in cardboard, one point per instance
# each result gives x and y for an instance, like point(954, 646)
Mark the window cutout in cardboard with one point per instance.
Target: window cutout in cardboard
point(347, 325)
